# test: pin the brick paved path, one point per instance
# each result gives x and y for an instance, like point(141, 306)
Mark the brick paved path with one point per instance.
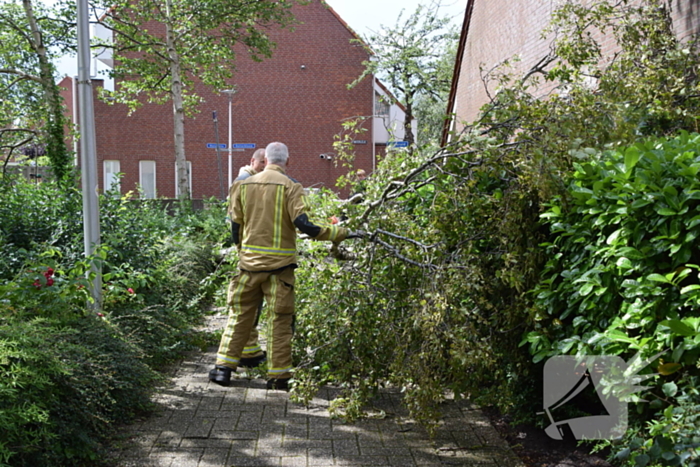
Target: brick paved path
point(202, 424)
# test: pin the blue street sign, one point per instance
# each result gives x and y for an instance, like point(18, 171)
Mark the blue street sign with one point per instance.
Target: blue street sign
point(213, 146)
point(398, 144)
point(244, 146)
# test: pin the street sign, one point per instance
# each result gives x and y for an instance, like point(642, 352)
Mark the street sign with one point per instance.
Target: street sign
point(214, 146)
point(398, 144)
point(360, 141)
point(244, 146)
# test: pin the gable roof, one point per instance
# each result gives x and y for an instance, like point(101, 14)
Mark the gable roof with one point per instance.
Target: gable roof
point(457, 71)
point(351, 30)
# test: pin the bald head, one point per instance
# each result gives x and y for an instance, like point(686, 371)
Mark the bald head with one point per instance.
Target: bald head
point(257, 162)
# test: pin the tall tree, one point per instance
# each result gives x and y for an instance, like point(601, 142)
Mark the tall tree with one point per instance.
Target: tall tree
point(410, 58)
point(31, 37)
point(162, 46)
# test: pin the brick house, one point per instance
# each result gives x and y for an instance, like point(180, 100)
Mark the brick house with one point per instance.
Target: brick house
point(299, 97)
point(496, 30)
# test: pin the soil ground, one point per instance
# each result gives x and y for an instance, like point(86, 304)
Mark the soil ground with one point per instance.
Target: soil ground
point(535, 449)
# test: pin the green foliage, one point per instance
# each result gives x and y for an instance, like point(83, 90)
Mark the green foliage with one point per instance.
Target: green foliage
point(439, 296)
point(70, 376)
point(162, 47)
point(623, 276)
point(415, 57)
point(31, 109)
point(37, 215)
point(201, 42)
point(63, 385)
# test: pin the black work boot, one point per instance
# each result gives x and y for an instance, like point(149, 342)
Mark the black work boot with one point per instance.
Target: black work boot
point(281, 384)
point(220, 375)
point(252, 362)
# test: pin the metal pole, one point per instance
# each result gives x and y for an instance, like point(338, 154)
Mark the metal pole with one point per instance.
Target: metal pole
point(88, 152)
point(230, 93)
point(75, 119)
point(230, 143)
point(218, 156)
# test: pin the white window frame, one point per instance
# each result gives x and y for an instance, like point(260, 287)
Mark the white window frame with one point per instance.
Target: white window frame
point(382, 106)
point(142, 174)
point(110, 169)
point(189, 179)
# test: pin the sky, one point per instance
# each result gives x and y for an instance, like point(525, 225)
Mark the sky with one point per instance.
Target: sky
point(363, 16)
point(366, 16)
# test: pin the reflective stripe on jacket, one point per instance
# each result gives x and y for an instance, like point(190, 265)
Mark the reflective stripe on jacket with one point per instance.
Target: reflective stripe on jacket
point(266, 209)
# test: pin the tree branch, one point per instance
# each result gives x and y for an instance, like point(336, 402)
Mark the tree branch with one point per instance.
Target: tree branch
point(22, 75)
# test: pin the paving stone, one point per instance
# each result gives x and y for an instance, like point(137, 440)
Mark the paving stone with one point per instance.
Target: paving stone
point(321, 461)
point(385, 451)
point(362, 460)
point(183, 454)
point(166, 439)
point(145, 439)
point(401, 461)
point(204, 443)
point(199, 428)
point(299, 461)
point(254, 461)
point(270, 442)
point(296, 431)
point(324, 447)
point(211, 402)
point(145, 462)
point(244, 435)
point(345, 447)
point(205, 425)
point(214, 457)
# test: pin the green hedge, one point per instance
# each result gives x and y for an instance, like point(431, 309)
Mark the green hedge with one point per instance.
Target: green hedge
point(623, 277)
point(69, 376)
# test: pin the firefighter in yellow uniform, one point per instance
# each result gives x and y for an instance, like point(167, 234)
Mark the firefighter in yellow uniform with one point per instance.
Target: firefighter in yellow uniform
point(267, 208)
point(253, 355)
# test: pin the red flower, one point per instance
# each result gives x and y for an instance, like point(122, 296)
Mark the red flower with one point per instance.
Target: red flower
point(49, 282)
point(48, 273)
point(37, 284)
point(130, 290)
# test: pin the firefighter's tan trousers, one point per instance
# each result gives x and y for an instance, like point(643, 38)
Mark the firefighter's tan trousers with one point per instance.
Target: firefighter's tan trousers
point(246, 293)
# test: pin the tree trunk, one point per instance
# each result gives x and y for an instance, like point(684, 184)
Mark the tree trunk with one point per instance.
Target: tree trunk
point(56, 145)
point(408, 122)
point(37, 44)
point(178, 111)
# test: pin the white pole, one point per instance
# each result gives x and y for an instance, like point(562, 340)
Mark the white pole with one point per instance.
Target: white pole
point(230, 143)
point(75, 119)
point(88, 152)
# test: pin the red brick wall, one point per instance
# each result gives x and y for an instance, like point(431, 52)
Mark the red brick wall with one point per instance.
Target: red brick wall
point(501, 29)
point(277, 100)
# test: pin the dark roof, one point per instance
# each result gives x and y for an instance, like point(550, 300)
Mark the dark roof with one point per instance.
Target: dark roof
point(457, 70)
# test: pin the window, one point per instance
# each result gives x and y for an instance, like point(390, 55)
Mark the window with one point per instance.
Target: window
point(189, 179)
point(111, 176)
point(147, 178)
point(381, 105)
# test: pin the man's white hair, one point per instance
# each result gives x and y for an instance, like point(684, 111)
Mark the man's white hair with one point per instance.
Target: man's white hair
point(277, 153)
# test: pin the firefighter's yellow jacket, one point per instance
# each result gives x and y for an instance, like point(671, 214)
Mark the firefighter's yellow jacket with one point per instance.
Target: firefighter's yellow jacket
point(265, 210)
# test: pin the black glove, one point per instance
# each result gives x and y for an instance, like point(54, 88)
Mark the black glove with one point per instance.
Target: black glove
point(356, 234)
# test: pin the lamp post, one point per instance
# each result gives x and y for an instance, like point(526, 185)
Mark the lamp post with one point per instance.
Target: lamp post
point(230, 93)
point(88, 154)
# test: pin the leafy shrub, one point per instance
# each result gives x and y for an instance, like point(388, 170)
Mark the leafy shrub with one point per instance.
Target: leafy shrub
point(439, 296)
point(69, 375)
point(623, 276)
point(33, 215)
point(63, 386)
